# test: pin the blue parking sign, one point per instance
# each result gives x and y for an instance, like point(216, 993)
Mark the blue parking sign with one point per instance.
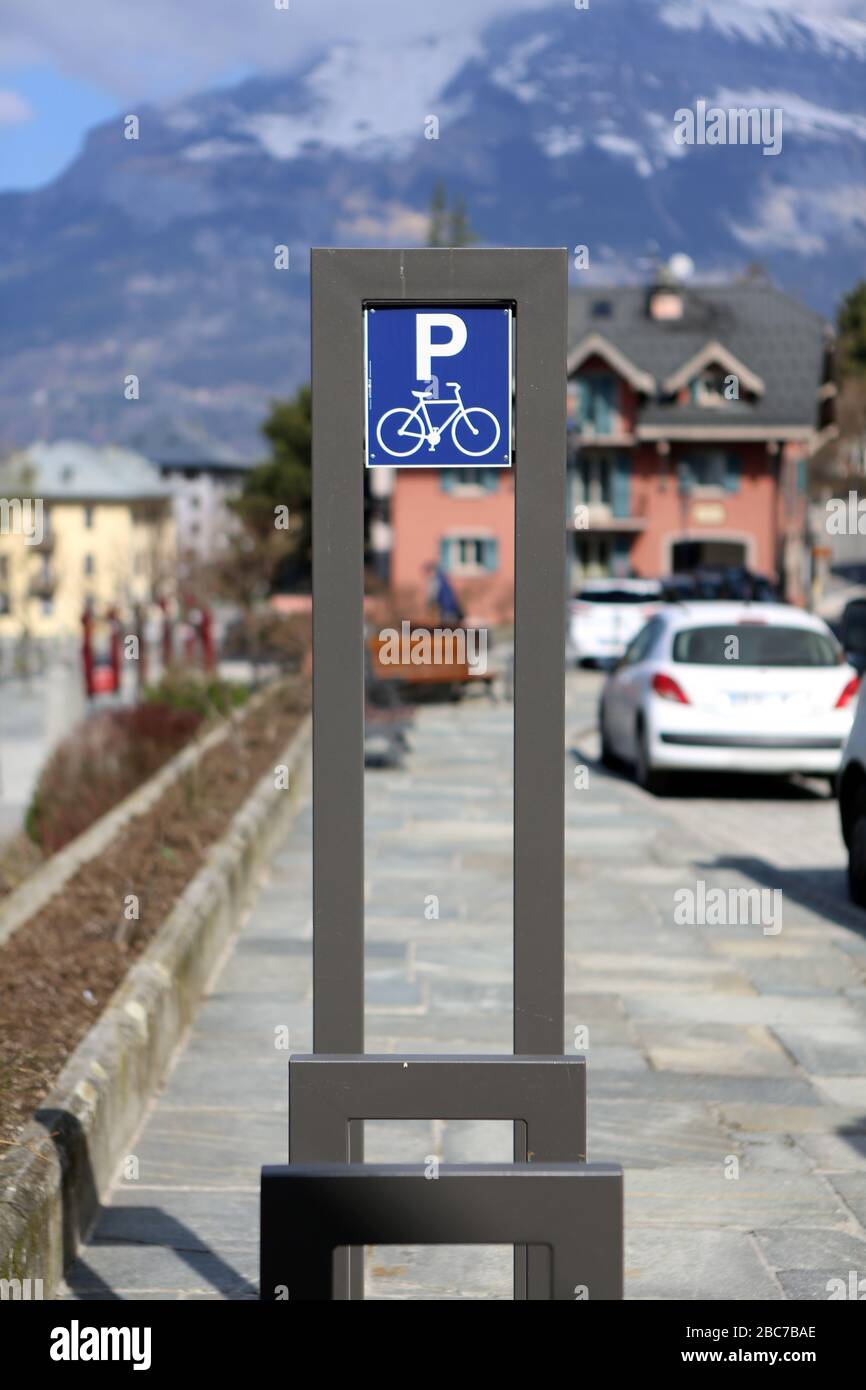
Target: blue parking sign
point(438, 382)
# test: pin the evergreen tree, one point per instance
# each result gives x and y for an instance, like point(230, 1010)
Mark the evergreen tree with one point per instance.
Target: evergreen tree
point(436, 227)
point(461, 234)
point(851, 322)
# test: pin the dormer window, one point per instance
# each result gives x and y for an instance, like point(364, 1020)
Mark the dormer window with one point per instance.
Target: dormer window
point(713, 377)
point(714, 387)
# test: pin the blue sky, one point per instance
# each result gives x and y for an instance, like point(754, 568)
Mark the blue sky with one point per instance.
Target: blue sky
point(66, 65)
point(43, 116)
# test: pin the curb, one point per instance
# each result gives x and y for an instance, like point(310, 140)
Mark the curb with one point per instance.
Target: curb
point(51, 1184)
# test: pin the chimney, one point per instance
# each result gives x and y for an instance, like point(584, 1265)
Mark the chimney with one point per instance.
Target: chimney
point(665, 299)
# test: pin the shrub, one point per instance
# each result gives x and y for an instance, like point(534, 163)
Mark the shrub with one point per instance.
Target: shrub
point(187, 690)
point(270, 638)
point(99, 764)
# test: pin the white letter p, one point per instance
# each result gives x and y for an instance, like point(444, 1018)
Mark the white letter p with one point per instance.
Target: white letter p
point(425, 348)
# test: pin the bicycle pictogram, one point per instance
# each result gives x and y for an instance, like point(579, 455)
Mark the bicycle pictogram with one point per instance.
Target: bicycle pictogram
point(402, 431)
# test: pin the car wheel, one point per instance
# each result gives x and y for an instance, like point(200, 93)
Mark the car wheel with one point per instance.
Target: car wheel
point(857, 862)
point(648, 777)
point(608, 757)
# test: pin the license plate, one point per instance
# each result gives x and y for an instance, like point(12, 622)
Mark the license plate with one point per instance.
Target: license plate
point(758, 697)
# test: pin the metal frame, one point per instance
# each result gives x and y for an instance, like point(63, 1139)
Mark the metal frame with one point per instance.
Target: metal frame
point(573, 1212)
point(547, 1095)
point(535, 283)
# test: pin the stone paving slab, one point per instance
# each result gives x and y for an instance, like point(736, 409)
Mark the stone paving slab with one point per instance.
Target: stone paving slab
point(703, 1196)
point(667, 1262)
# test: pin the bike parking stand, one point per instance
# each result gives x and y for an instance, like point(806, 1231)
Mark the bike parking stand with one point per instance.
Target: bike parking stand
point(563, 1215)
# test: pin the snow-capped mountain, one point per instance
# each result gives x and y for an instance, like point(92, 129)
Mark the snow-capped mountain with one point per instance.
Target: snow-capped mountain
point(156, 256)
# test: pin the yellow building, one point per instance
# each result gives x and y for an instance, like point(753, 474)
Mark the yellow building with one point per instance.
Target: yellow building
point(80, 525)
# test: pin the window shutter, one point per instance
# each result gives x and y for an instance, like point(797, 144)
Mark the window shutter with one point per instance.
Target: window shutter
point(446, 479)
point(621, 486)
point(490, 554)
point(584, 401)
point(733, 469)
point(489, 479)
point(620, 557)
point(604, 400)
point(445, 553)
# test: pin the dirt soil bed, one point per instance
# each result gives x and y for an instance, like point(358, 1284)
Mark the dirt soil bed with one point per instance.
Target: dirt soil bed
point(59, 970)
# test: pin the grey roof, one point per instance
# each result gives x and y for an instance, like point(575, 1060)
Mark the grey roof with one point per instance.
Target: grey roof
point(72, 472)
point(772, 334)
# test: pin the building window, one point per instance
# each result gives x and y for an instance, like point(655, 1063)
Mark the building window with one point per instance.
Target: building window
point(603, 480)
point(88, 518)
point(595, 401)
point(89, 564)
point(708, 387)
point(469, 482)
point(712, 469)
point(471, 554)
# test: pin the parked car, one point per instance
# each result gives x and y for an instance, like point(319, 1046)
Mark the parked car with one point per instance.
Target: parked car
point(729, 687)
point(606, 615)
point(733, 582)
point(852, 804)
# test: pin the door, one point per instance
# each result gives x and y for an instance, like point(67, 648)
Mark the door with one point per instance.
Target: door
point(625, 691)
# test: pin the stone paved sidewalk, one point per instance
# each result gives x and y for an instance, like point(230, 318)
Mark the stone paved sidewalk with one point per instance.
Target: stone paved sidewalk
point(725, 1066)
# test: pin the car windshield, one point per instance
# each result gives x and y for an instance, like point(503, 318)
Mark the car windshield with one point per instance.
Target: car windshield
point(755, 644)
point(613, 596)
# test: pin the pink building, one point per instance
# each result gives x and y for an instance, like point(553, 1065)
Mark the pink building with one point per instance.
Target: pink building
point(693, 412)
point(463, 520)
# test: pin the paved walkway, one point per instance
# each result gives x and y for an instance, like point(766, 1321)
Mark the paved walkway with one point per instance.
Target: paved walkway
point(725, 1065)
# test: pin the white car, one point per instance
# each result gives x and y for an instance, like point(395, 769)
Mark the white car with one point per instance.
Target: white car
point(607, 614)
point(852, 804)
point(729, 687)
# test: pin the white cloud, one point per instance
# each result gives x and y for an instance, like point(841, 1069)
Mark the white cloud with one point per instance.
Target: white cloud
point(365, 94)
point(799, 116)
point(559, 140)
point(164, 48)
point(832, 24)
point(14, 110)
point(803, 219)
point(624, 147)
point(391, 224)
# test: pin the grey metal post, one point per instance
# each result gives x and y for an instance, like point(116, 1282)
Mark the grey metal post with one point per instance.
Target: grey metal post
point(539, 663)
point(539, 686)
point(338, 688)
